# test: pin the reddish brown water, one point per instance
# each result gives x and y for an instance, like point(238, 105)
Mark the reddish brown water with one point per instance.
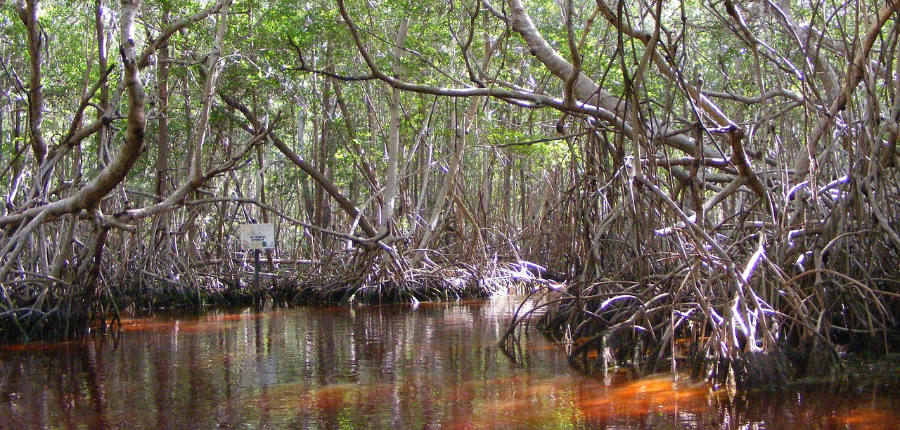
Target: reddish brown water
point(437, 366)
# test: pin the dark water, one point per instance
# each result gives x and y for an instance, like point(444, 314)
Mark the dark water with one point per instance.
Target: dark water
point(436, 366)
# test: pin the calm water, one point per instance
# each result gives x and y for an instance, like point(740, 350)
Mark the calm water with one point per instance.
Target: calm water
point(436, 366)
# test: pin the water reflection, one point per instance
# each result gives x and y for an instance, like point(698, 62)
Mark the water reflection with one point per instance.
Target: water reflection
point(436, 366)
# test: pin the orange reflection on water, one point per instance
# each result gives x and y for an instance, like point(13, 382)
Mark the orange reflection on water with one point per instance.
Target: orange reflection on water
point(149, 325)
point(526, 401)
point(209, 321)
point(861, 418)
point(41, 346)
point(655, 393)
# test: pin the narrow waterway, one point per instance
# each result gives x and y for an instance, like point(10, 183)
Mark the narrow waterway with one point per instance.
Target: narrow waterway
point(433, 366)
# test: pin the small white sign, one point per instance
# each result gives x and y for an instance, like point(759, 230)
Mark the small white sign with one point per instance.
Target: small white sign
point(257, 236)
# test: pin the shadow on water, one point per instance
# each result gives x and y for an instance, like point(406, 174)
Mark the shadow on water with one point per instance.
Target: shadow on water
point(434, 366)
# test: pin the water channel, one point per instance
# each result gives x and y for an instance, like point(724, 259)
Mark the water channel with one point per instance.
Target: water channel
point(398, 367)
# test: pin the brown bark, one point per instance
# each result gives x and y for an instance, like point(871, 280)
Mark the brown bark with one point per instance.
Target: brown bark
point(161, 225)
point(28, 14)
point(89, 196)
point(17, 166)
point(103, 62)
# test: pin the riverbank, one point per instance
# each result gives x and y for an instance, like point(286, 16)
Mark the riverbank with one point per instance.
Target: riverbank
point(69, 317)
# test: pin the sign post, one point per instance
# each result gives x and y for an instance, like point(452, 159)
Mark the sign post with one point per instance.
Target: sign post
point(256, 268)
point(257, 237)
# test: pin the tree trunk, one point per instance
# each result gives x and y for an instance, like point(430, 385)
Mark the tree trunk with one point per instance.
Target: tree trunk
point(103, 62)
point(28, 14)
point(391, 186)
point(160, 234)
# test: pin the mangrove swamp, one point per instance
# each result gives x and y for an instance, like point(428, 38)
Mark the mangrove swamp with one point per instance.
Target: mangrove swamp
point(707, 190)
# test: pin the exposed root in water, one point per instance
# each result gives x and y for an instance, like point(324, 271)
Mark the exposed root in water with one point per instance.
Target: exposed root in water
point(767, 287)
point(327, 282)
point(685, 323)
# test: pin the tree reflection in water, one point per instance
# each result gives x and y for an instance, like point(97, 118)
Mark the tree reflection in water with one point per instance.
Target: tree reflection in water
point(433, 366)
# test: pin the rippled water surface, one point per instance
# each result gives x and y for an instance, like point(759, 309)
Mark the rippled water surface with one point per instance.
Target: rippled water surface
point(434, 366)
